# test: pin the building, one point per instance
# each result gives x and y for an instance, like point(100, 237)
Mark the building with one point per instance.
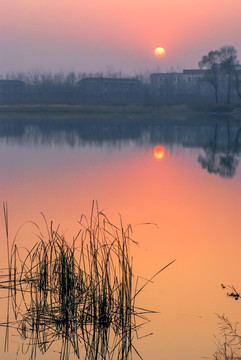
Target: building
point(196, 83)
point(11, 87)
point(110, 87)
point(189, 83)
point(12, 91)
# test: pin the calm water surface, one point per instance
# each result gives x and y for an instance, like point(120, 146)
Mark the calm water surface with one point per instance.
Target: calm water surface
point(197, 213)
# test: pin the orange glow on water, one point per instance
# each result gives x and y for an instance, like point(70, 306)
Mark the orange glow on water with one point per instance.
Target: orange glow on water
point(198, 224)
point(159, 152)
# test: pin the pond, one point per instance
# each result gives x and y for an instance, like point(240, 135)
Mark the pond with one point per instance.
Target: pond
point(183, 204)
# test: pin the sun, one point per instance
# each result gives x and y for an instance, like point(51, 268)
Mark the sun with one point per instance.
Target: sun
point(158, 152)
point(159, 51)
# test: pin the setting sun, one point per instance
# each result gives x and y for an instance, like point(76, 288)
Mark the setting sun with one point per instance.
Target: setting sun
point(159, 51)
point(159, 152)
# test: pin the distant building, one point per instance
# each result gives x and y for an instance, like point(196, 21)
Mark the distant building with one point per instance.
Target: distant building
point(194, 83)
point(11, 87)
point(188, 83)
point(98, 86)
point(11, 90)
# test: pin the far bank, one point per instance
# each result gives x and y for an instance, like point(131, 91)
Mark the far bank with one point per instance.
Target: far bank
point(194, 112)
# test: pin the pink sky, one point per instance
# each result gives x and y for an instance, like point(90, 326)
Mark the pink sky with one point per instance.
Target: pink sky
point(99, 34)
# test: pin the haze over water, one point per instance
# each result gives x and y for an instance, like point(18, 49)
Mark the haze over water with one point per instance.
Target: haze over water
point(197, 214)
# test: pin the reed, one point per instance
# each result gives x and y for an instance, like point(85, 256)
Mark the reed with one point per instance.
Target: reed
point(79, 293)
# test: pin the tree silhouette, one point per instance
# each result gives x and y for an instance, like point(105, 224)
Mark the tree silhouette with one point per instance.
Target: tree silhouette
point(221, 67)
point(210, 64)
point(228, 60)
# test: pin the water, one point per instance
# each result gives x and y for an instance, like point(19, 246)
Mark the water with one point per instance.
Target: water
point(193, 214)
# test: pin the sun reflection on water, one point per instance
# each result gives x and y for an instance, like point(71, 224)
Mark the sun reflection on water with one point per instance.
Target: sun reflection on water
point(159, 152)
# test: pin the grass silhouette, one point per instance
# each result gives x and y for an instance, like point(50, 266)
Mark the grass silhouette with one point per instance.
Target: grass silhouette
point(79, 294)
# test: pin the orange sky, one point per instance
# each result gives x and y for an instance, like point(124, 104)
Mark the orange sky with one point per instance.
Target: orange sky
point(95, 35)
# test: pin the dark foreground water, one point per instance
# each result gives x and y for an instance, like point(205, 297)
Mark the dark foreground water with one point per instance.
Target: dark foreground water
point(192, 194)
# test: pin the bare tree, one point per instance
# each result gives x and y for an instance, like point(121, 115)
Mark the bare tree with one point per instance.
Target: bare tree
point(229, 62)
point(210, 63)
point(237, 79)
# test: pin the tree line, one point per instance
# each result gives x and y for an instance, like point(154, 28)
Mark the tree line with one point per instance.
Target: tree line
point(67, 79)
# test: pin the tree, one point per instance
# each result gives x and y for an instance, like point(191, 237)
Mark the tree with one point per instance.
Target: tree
point(229, 62)
point(210, 63)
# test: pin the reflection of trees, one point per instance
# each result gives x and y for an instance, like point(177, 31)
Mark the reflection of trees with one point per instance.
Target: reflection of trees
point(118, 132)
point(224, 163)
point(208, 161)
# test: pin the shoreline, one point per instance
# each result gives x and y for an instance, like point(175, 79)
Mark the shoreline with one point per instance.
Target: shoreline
point(193, 113)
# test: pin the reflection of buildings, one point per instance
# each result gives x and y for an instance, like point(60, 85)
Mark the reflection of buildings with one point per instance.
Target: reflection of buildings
point(219, 146)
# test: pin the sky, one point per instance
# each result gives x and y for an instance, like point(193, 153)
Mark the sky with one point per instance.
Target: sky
point(115, 35)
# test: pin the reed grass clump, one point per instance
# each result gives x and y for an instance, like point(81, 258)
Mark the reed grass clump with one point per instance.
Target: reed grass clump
point(80, 294)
